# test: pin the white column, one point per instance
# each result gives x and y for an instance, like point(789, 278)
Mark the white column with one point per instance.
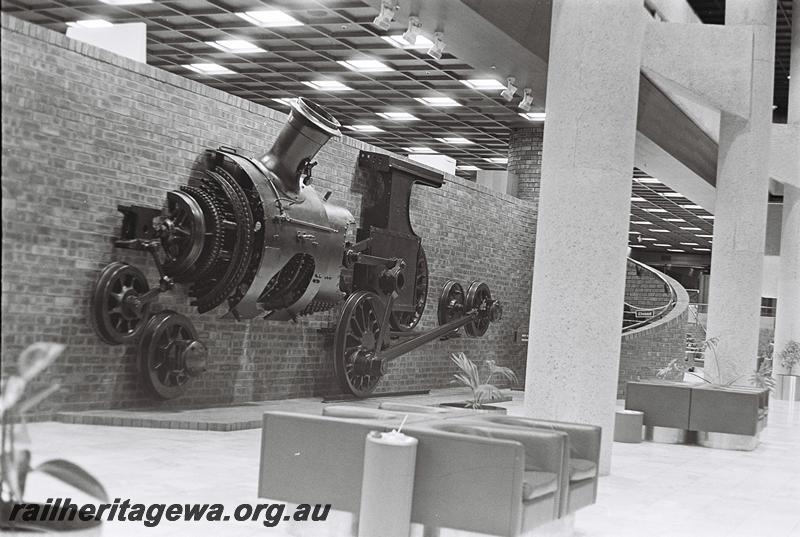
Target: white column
point(584, 203)
point(741, 207)
point(787, 317)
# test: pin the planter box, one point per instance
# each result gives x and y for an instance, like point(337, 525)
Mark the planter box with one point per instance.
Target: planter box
point(730, 410)
point(664, 403)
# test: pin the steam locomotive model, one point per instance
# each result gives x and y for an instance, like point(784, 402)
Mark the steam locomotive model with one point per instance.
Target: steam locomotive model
point(253, 234)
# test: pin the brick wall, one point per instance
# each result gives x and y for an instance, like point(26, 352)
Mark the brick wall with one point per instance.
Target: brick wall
point(525, 160)
point(644, 290)
point(647, 349)
point(84, 129)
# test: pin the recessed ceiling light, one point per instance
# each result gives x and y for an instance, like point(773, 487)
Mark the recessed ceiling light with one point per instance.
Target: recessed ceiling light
point(691, 207)
point(659, 230)
point(701, 249)
point(648, 239)
point(497, 160)
point(398, 116)
point(707, 217)
point(126, 2)
point(690, 244)
point(235, 46)
point(90, 23)
point(419, 149)
point(438, 101)
point(675, 250)
point(705, 236)
point(656, 210)
point(468, 168)
point(399, 42)
point(327, 85)
point(641, 222)
point(662, 244)
point(636, 198)
point(456, 141)
point(674, 220)
point(636, 246)
point(691, 229)
point(647, 180)
point(286, 101)
point(270, 18)
point(365, 66)
point(533, 116)
point(364, 128)
point(672, 194)
point(209, 69)
point(483, 84)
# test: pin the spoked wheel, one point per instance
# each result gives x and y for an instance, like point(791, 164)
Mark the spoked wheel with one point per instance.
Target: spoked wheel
point(170, 354)
point(478, 297)
point(451, 303)
point(355, 343)
point(408, 320)
point(117, 314)
point(182, 233)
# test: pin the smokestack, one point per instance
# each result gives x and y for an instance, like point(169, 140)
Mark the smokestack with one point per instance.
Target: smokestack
point(309, 127)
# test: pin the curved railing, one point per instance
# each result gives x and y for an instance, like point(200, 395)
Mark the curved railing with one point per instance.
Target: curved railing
point(635, 317)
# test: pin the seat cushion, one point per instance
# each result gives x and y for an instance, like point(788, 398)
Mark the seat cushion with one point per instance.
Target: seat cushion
point(580, 469)
point(538, 484)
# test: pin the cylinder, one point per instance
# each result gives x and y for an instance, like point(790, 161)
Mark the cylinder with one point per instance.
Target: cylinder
point(388, 485)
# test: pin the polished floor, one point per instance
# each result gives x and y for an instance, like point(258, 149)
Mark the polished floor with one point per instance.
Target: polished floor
point(654, 490)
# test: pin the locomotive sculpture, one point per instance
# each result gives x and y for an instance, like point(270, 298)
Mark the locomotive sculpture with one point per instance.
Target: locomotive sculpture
point(255, 235)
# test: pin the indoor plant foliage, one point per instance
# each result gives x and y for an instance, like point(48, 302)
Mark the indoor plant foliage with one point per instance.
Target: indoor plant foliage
point(15, 462)
point(478, 379)
point(790, 356)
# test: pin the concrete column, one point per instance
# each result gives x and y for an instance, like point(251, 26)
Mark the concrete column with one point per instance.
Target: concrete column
point(741, 207)
point(787, 317)
point(525, 160)
point(584, 203)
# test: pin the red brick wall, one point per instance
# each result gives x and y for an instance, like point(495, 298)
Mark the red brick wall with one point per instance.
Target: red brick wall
point(644, 290)
point(525, 160)
point(84, 130)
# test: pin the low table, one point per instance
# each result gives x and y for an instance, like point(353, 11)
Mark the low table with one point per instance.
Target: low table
point(628, 426)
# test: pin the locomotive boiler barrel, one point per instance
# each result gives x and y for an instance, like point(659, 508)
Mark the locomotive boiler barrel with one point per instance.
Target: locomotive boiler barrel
point(308, 129)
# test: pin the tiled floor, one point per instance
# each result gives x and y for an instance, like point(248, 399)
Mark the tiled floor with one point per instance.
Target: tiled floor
point(654, 490)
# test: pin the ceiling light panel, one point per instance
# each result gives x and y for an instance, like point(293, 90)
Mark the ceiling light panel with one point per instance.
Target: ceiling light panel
point(533, 116)
point(90, 23)
point(209, 69)
point(126, 2)
point(365, 66)
point(497, 160)
point(456, 141)
point(398, 116)
point(419, 149)
point(483, 84)
point(365, 128)
point(468, 168)
point(444, 102)
point(236, 46)
point(270, 18)
point(327, 85)
point(398, 41)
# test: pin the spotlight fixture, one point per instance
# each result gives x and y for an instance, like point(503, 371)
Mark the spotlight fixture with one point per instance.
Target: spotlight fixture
point(437, 48)
point(510, 90)
point(209, 69)
point(269, 18)
point(414, 29)
point(439, 102)
point(386, 15)
point(90, 23)
point(365, 128)
point(527, 100)
point(235, 46)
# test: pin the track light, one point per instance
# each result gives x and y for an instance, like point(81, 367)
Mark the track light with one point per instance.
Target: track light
point(386, 15)
point(510, 90)
point(437, 48)
point(527, 100)
point(414, 28)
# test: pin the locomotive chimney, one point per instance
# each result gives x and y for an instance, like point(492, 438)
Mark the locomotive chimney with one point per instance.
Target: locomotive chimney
point(307, 130)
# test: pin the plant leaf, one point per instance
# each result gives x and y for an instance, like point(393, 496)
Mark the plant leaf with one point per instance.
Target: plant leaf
point(74, 475)
point(34, 400)
point(13, 389)
point(16, 465)
point(36, 358)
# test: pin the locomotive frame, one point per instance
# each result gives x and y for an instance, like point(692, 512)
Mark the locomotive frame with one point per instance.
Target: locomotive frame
point(255, 235)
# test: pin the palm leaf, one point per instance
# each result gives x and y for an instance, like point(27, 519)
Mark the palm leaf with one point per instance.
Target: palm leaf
point(74, 475)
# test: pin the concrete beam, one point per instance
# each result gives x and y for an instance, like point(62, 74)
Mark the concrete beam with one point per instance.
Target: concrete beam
point(709, 63)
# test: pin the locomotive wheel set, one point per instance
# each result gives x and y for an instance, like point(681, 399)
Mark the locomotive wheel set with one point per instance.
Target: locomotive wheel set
point(255, 235)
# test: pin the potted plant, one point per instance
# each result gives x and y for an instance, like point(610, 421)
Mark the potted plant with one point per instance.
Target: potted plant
point(789, 357)
point(479, 381)
point(15, 461)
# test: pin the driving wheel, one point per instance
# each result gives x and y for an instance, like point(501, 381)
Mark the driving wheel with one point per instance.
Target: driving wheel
point(170, 354)
point(357, 369)
point(118, 315)
point(451, 303)
point(405, 321)
point(478, 298)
